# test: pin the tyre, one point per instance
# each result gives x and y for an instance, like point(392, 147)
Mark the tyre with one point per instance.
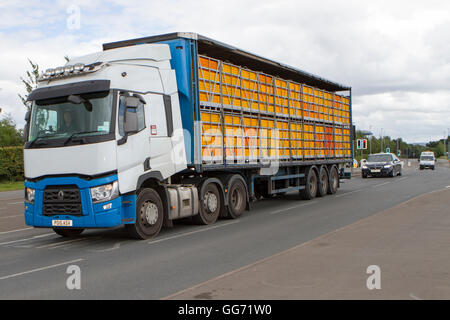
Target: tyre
point(68, 232)
point(210, 204)
point(333, 185)
point(432, 168)
point(149, 215)
point(322, 186)
point(237, 199)
point(310, 190)
point(364, 175)
point(421, 168)
point(400, 172)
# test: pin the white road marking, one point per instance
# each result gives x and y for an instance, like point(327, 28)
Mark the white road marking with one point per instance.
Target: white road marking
point(114, 247)
point(8, 217)
point(17, 230)
point(350, 192)
point(27, 239)
point(448, 187)
point(40, 269)
point(293, 207)
point(64, 243)
point(21, 202)
point(402, 178)
point(414, 297)
point(381, 184)
point(192, 232)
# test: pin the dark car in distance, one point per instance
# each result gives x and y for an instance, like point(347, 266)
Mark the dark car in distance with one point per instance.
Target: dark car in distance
point(381, 164)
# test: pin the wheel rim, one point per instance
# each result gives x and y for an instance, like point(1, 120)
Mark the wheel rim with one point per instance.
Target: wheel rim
point(210, 202)
point(149, 213)
point(335, 180)
point(324, 182)
point(312, 184)
point(236, 198)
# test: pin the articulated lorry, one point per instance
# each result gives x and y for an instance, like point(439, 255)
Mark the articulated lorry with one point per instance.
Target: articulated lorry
point(166, 127)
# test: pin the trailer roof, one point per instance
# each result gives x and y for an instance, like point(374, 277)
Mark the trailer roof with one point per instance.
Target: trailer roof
point(222, 51)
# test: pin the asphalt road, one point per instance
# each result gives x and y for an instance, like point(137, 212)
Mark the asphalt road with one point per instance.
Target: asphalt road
point(33, 262)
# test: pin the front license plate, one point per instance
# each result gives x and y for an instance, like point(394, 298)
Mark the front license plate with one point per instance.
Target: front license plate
point(375, 170)
point(62, 223)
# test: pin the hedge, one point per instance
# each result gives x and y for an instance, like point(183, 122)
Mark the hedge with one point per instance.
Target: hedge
point(11, 163)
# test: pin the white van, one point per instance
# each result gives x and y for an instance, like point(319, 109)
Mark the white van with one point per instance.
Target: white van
point(427, 160)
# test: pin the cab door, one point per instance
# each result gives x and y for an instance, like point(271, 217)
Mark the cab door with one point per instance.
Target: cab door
point(132, 148)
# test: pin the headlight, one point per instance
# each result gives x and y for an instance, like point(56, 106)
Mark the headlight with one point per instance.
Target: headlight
point(29, 195)
point(388, 166)
point(105, 192)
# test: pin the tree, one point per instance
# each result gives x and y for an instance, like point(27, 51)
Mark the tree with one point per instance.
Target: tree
point(30, 82)
point(9, 135)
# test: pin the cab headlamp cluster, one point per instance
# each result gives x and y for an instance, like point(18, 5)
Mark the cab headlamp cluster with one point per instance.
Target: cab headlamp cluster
point(29, 195)
point(105, 192)
point(69, 71)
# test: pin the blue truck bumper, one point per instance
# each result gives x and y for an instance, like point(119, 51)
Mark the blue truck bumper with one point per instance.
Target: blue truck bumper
point(121, 210)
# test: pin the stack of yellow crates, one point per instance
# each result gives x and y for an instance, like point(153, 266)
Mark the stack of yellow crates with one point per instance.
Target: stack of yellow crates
point(249, 116)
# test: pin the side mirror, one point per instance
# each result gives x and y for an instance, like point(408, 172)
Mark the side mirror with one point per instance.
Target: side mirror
point(26, 128)
point(130, 121)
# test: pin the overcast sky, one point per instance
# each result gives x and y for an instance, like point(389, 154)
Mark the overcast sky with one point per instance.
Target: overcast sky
point(394, 54)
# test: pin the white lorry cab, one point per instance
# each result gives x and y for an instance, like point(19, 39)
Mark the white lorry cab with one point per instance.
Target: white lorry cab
point(427, 160)
point(179, 125)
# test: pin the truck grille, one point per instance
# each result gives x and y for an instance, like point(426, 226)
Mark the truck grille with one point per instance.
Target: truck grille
point(62, 200)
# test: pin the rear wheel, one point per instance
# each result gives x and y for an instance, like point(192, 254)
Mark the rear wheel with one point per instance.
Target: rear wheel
point(68, 233)
point(334, 181)
point(149, 215)
point(210, 205)
point(323, 182)
point(237, 199)
point(310, 190)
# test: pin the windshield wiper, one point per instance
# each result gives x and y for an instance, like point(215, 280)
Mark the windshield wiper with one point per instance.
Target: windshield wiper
point(76, 133)
point(39, 137)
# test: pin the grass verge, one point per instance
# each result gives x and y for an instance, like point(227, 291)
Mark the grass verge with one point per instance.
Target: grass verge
point(10, 186)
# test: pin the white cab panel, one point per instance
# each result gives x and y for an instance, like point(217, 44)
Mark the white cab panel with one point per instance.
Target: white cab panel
point(90, 159)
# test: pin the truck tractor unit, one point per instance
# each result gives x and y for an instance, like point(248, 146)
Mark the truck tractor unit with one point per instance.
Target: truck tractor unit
point(179, 125)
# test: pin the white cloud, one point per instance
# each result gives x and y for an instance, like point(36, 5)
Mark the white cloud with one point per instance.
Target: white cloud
point(393, 54)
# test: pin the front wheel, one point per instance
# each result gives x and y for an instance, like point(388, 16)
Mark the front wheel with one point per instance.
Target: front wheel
point(149, 215)
point(68, 233)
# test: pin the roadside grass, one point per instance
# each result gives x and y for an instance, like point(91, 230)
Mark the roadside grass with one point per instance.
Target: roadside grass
point(10, 186)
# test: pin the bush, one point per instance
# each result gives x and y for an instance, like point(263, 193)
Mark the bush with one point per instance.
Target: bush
point(11, 163)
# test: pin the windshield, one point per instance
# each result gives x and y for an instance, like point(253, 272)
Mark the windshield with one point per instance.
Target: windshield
point(427, 158)
point(58, 119)
point(379, 158)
